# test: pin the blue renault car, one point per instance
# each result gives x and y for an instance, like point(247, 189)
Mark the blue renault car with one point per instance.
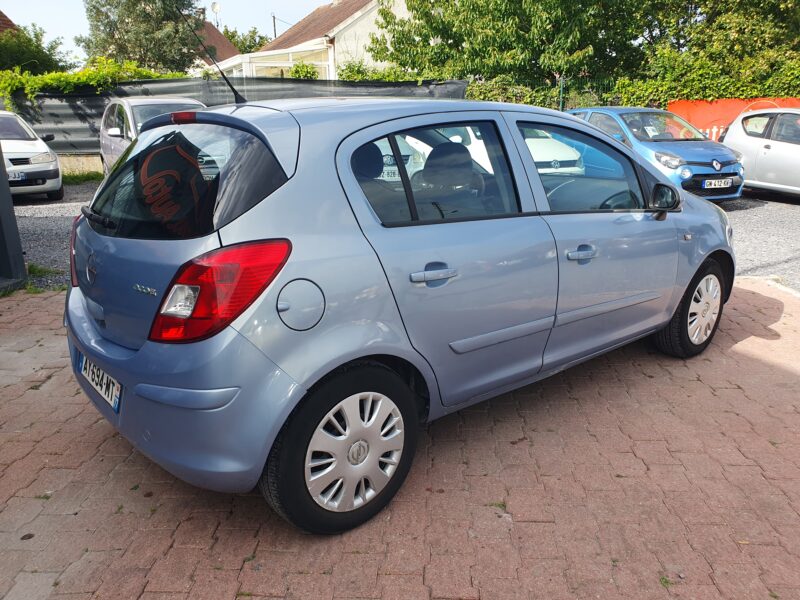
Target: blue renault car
point(679, 150)
point(281, 294)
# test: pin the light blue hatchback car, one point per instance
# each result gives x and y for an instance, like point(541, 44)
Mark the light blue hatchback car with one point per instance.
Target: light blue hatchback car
point(282, 293)
point(680, 151)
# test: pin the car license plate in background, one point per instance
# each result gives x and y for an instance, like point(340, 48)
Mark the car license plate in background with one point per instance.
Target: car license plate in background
point(718, 183)
point(16, 176)
point(105, 385)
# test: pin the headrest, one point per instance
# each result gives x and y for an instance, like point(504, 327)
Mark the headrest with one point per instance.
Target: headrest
point(448, 165)
point(367, 161)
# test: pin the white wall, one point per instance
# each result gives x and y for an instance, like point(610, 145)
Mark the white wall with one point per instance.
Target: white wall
point(352, 41)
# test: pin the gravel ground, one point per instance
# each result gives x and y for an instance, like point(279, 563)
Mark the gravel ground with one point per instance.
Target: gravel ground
point(765, 236)
point(765, 233)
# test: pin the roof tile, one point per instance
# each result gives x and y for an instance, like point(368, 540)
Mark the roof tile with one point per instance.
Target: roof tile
point(317, 24)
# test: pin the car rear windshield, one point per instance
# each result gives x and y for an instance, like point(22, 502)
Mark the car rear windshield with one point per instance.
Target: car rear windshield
point(185, 181)
point(144, 112)
point(12, 129)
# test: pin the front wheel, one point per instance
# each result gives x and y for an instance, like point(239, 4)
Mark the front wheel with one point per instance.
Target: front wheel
point(345, 452)
point(697, 317)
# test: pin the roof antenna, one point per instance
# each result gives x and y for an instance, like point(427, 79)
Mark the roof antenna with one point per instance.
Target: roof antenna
point(237, 97)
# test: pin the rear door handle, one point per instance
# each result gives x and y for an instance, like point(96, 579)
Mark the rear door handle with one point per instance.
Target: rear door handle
point(767, 146)
point(434, 275)
point(584, 252)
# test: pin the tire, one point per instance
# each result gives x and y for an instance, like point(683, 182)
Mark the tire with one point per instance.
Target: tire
point(360, 455)
point(676, 338)
point(57, 195)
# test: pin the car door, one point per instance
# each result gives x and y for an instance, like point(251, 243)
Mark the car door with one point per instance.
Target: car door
point(617, 261)
point(777, 160)
point(749, 139)
point(106, 148)
point(471, 266)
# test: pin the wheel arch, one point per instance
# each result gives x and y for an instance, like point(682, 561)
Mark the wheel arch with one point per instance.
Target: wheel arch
point(725, 260)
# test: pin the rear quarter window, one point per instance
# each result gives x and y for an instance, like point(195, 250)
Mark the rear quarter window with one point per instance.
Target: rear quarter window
point(186, 181)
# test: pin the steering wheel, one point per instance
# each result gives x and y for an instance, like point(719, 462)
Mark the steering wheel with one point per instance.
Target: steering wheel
point(618, 200)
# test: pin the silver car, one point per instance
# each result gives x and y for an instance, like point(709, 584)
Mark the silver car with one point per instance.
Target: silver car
point(282, 293)
point(32, 167)
point(769, 141)
point(124, 117)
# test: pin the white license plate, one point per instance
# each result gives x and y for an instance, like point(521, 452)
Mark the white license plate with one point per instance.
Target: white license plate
point(390, 174)
point(718, 183)
point(105, 385)
point(17, 176)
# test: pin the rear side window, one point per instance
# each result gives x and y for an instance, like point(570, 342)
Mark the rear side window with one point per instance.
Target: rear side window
point(186, 181)
point(437, 173)
point(755, 126)
point(609, 125)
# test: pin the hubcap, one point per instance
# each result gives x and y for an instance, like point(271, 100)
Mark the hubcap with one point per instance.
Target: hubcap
point(354, 451)
point(704, 309)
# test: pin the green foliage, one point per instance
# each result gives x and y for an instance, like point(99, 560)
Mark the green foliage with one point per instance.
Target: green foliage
point(25, 48)
point(358, 71)
point(151, 34)
point(301, 70)
point(246, 42)
point(577, 92)
point(78, 178)
point(100, 74)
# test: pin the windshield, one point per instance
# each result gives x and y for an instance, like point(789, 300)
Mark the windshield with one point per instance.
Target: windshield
point(660, 127)
point(145, 112)
point(11, 128)
point(185, 181)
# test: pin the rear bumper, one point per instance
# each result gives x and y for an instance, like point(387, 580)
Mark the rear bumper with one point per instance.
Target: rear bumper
point(206, 412)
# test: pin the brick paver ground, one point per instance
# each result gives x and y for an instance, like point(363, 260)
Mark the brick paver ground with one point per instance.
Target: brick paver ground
point(633, 476)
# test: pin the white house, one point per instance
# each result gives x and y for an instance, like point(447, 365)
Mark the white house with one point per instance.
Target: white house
point(332, 35)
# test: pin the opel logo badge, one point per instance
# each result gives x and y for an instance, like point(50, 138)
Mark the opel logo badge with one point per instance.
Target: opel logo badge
point(91, 269)
point(716, 164)
point(555, 164)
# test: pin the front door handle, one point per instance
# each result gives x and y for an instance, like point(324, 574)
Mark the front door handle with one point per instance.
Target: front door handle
point(584, 252)
point(767, 146)
point(433, 275)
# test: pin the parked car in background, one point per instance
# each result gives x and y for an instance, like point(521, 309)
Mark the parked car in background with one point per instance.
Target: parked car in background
point(124, 117)
point(679, 150)
point(769, 142)
point(255, 300)
point(31, 166)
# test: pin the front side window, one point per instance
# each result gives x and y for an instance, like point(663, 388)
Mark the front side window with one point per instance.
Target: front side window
point(787, 128)
point(756, 126)
point(660, 127)
point(609, 125)
point(122, 121)
point(437, 173)
point(579, 172)
point(185, 181)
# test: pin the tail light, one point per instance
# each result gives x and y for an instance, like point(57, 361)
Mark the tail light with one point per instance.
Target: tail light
point(210, 291)
point(73, 273)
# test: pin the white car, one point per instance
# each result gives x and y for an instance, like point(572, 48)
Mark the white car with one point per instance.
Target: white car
point(31, 166)
point(551, 155)
point(769, 141)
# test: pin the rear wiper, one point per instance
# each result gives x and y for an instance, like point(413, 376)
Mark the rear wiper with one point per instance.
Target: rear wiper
point(94, 217)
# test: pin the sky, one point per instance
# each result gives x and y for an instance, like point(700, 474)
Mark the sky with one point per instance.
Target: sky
point(67, 18)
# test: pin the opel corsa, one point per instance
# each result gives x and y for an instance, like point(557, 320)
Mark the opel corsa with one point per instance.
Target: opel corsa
point(281, 294)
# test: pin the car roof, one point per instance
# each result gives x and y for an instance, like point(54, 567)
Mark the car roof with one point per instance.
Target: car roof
point(622, 109)
point(770, 111)
point(148, 101)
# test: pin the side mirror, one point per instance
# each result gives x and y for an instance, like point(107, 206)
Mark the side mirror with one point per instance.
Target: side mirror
point(664, 198)
point(47, 137)
point(114, 132)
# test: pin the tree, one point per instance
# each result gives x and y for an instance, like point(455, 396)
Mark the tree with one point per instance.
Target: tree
point(25, 48)
point(152, 33)
point(526, 39)
point(249, 41)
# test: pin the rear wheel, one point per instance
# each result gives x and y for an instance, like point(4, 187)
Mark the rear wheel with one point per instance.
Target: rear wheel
point(57, 195)
point(697, 317)
point(345, 452)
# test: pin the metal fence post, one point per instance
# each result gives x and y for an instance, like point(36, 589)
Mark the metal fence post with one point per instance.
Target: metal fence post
point(12, 264)
point(561, 93)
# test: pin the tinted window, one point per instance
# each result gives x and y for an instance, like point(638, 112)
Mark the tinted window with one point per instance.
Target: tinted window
point(185, 181)
point(11, 128)
point(437, 173)
point(787, 128)
point(122, 121)
point(756, 125)
point(145, 112)
point(609, 125)
point(579, 172)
